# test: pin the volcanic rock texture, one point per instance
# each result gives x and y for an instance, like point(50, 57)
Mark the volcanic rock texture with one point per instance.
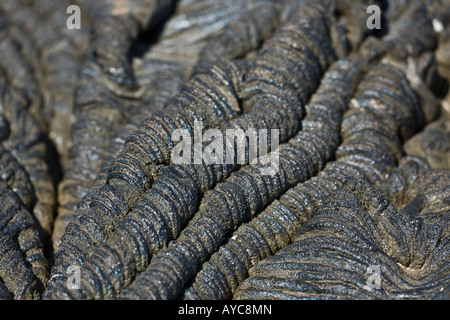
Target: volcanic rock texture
point(107, 191)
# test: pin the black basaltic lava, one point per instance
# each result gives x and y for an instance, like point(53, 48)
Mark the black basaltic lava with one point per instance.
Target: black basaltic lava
point(88, 126)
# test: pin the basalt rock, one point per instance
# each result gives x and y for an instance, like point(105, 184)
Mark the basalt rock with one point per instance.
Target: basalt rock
point(246, 86)
point(433, 143)
point(24, 157)
point(405, 191)
point(250, 189)
point(363, 134)
point(23, 266)
point(55, 54)
point(136, 213)
point(218, 149)
point(337, 250)
point(149, 82)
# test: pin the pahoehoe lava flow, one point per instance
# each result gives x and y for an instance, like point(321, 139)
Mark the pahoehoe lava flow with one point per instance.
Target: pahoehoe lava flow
point(224, 149)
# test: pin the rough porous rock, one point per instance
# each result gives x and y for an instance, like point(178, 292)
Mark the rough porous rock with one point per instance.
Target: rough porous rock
point(224, 149)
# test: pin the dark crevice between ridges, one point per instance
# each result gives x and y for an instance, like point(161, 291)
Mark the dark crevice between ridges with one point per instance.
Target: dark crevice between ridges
point(151, 35)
